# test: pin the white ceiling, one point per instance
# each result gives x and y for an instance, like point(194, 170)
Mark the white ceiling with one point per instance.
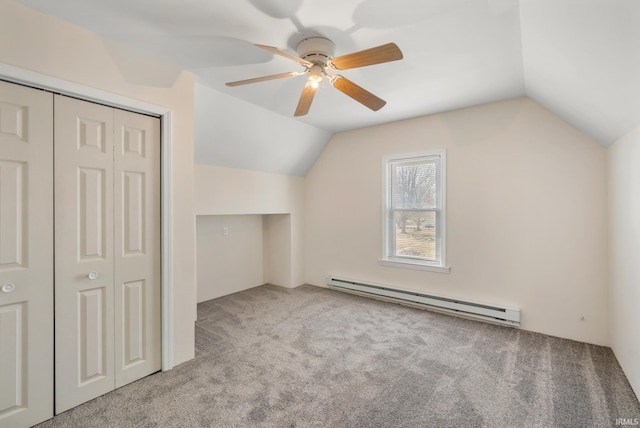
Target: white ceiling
point(579, 58)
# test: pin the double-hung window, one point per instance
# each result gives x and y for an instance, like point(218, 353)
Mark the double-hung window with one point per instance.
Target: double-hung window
point(414, 218)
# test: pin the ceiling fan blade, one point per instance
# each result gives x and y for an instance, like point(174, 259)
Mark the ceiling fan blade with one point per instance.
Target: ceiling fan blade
point(359, 94)
point(285, 54)
point(304, 104)
point(377, 55)
point(265, 78)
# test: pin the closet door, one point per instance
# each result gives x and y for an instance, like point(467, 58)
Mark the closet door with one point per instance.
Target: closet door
point(137, 246)
point(107, 223)
point(26, 256)
point(84, 264)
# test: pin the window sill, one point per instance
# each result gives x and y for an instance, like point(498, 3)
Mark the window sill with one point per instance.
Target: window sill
point(415, 265)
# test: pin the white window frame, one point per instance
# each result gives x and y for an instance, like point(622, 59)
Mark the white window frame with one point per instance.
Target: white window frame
point(388, 228)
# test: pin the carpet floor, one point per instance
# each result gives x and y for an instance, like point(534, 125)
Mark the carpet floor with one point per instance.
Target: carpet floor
point(314, 357)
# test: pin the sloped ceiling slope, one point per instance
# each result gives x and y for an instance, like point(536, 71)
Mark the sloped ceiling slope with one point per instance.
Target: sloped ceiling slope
point(582, 61)
point(234, 133)
point(578, 58)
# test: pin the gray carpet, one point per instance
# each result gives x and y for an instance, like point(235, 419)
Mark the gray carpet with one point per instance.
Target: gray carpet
point(313, 357)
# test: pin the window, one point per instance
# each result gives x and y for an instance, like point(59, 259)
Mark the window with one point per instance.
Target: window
point(414, 219)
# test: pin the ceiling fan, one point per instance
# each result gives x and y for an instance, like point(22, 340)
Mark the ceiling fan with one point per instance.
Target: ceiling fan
point(316, 55)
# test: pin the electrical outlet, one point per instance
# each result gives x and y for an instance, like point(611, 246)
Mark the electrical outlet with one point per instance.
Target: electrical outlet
point(225, 231)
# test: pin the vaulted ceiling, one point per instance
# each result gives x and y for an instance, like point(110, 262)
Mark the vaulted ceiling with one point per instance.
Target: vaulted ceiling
point(578, 58)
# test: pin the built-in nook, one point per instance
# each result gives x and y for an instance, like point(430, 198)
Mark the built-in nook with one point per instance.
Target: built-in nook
point(262, 213)
point(237, 252)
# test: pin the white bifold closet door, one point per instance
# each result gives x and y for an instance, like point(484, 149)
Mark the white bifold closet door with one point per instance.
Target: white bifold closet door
point(26, 255)
point(107, 247)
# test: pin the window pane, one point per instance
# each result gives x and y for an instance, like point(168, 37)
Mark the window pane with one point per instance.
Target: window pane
point(415, 234)
point(413, 185)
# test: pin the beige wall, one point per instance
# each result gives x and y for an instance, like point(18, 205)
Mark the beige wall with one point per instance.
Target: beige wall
point(46, 45)
point(624, 240)
point(256, 250)
point(232, 262)
point(526, 218)
point(278, 263)
point(228, 191)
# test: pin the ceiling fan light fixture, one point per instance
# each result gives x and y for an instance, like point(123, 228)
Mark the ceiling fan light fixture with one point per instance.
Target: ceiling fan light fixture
point(315, 75)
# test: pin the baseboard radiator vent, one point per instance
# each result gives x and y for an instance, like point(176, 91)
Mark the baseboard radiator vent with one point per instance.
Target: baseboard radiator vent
point(484, 312)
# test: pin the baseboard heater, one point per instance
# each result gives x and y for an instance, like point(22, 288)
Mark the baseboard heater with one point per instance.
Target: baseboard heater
point(484, 312)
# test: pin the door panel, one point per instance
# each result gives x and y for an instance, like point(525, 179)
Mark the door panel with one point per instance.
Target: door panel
point(84, 251)
point(13, 179)
point(92, 215)
point(13, 375)
point(134, 323)
point(26, 255)
point(93, 335)
point(133, 211)
point(137, 245)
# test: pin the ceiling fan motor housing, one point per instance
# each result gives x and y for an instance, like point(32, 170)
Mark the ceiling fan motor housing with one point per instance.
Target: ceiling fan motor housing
point(316, 49)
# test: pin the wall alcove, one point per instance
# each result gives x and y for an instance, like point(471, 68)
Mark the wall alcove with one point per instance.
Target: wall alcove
point(237, 252)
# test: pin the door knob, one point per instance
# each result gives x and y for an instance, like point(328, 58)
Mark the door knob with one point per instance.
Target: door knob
point(8, 287)
point(93, 275)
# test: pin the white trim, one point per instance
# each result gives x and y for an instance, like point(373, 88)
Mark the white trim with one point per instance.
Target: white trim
point(64, 87)
point(414, 265)
point(443, 212)
point(166, 214)
point(385, 259)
